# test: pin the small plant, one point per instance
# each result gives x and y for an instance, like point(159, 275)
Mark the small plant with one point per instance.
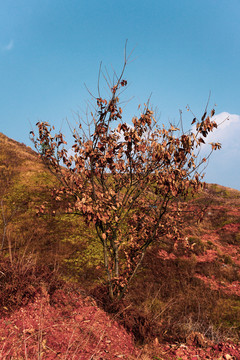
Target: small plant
point(227, 259)
point(238, 238)
point(196, 245)
point(227, 315)
point(21, 279)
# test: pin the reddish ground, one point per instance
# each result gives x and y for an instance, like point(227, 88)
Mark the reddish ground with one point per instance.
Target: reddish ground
point(71, 326)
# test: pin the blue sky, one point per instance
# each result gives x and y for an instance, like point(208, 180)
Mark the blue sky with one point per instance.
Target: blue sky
point(182, 50)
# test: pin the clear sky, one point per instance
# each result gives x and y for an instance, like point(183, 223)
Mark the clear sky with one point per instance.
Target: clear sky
point(182, 50)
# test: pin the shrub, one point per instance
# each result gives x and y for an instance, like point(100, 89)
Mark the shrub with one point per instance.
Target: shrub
point(125, 180)
point(21, 280)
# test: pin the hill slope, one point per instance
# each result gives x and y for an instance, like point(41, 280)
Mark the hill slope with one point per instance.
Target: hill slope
point(176, 294)
point(25, 186)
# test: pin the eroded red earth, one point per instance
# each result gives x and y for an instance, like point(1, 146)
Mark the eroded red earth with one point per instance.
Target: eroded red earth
point(70, 326)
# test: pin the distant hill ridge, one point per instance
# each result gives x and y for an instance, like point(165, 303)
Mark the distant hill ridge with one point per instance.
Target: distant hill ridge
point(17, 160)
point(7, 144)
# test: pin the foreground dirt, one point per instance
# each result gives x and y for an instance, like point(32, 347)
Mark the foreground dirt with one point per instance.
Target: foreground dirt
point(70, 326)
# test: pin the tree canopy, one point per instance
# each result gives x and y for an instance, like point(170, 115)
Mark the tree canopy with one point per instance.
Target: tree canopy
point(126, 180)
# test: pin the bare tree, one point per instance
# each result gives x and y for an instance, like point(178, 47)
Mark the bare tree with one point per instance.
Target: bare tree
point(126, 179)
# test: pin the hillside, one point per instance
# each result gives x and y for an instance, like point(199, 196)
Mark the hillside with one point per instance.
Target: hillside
point(189, 295)
point(25, 186)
